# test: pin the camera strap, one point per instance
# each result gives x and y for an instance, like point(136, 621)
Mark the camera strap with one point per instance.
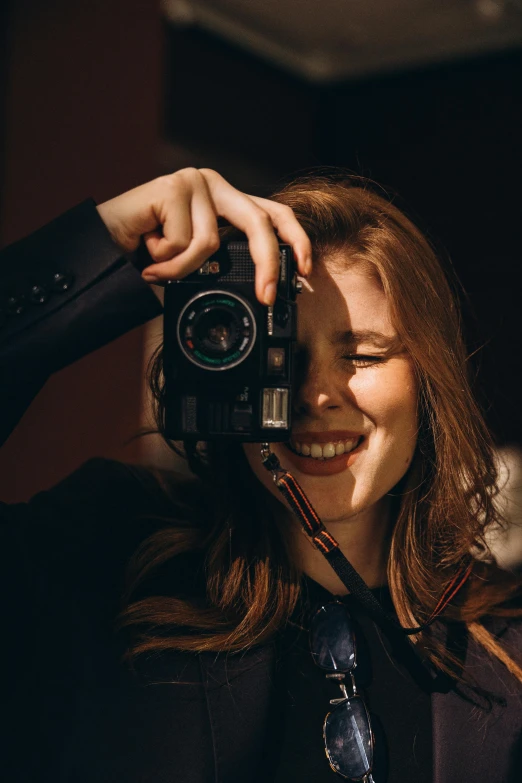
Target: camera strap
point(330, 549)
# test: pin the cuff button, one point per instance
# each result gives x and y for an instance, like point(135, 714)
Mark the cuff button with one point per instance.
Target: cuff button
point(61, 282)
point(38, 294)
point(15, 305)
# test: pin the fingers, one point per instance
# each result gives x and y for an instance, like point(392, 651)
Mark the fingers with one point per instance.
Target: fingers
point(256, 222)
point(175, 234)
point(191, 248)
point(185, 208)
point(262, 243)
point(289, 231)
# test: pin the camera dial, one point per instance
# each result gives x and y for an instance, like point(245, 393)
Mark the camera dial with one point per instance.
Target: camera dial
point(216, 330)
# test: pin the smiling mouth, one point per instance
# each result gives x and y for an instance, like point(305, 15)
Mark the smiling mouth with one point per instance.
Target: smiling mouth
point(323, 451)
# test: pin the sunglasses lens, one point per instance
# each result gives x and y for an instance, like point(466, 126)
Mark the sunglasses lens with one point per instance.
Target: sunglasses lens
point(348, 739)
point(331, 638)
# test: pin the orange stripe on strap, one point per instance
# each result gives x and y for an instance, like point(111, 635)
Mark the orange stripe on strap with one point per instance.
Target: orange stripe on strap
point(307, 502)
point(283, 481)
point(330, 538)
point(318, 542)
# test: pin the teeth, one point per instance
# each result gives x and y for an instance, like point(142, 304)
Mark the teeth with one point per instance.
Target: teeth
point(326, 450)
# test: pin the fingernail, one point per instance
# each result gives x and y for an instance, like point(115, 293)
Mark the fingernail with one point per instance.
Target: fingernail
point(149, 277)
point(308, 267)
point(270, 293)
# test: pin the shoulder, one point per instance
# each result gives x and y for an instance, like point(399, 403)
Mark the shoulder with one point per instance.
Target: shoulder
point(509, 631)
point(91, 523)
point(488, 668)
point(107, 486)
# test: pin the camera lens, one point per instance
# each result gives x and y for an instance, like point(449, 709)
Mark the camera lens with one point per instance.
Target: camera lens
point(216, 330)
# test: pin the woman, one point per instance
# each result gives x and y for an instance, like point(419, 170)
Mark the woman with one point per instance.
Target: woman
point(213, 588)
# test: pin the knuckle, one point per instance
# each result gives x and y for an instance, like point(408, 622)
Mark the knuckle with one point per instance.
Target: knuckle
point(213, 243)
point(189, 176)
point(169, 183)
point(177, 245)
point(209, 173)
point(179, 180)
point(261, 219)
point(190, 172)
point(203, 247)
point(286, 212)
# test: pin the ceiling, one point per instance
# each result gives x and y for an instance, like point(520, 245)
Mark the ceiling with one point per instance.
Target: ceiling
point(327, 41)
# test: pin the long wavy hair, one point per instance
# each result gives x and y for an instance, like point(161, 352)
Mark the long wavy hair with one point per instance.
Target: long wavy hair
point(245, 581)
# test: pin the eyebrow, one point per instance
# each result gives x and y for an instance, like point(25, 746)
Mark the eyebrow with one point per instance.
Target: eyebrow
point(378, 339)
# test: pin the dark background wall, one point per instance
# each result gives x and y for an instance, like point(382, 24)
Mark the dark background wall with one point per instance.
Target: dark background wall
point(81, 109)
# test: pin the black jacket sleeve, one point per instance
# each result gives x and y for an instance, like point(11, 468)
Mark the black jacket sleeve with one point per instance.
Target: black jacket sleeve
point(65, 291)
point(68, 290)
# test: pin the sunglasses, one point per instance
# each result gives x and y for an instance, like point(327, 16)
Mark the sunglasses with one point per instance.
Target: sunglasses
point(347, 732)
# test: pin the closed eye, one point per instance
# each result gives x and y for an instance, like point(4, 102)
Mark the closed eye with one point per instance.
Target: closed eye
point(359, 360)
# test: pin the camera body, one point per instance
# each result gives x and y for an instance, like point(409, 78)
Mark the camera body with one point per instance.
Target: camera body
point(228, 359)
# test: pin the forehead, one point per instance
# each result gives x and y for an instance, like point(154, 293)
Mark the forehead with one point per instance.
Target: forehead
point(339, 300)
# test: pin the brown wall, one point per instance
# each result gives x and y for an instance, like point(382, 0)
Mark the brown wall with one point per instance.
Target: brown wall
point(81, 111)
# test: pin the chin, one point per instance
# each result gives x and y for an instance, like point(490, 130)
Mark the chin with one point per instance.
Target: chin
point(352, 487)
point(338, 504)
point(356, 484)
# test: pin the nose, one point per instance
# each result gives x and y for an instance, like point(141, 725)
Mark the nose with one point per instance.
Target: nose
point(317, 389)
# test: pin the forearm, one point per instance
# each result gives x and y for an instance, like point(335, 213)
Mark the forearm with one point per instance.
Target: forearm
point(69, 288)
point(66, 290)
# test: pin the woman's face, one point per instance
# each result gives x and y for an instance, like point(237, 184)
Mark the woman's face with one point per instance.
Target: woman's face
point(356, 399)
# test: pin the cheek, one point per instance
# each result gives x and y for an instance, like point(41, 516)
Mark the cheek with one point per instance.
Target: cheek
point(388, 397)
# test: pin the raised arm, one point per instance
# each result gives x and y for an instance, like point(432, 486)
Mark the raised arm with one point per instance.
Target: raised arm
point(66, 290)
point(75, 285)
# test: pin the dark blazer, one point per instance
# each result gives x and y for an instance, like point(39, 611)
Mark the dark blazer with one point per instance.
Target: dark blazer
point(73, 711)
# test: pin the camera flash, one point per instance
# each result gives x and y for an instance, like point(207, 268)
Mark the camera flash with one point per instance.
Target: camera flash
point(275, 408)
point(276, 361)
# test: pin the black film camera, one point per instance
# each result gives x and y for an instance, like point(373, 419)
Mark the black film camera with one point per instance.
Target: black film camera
point(228, 358)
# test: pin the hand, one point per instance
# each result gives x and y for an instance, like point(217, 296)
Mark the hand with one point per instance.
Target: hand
point(177, 216)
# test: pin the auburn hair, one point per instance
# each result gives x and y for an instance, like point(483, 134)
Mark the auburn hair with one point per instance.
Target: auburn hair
point(248, 581)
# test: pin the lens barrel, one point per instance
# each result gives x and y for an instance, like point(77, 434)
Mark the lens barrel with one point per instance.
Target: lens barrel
point(216, 330)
